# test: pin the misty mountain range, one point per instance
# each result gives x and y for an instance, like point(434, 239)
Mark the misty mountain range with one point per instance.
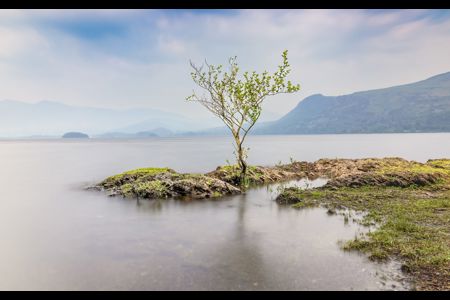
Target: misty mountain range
point(423, 106)
point(48, 118)
point(52, 118)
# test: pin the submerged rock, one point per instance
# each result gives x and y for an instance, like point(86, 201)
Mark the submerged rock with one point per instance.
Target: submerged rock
point(289, 196)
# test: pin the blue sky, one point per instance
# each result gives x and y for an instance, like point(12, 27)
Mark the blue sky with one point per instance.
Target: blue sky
point(140, 58)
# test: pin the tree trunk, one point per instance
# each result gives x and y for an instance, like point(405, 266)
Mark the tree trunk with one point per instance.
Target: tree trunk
point(240, 156)
point(242, 164)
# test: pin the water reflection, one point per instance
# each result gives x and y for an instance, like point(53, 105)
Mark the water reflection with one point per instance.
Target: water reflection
point(153, 206)
point(255, 244)
point(55, 235)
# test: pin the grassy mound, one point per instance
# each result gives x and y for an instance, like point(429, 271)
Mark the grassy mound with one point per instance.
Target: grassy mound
point(152, 183)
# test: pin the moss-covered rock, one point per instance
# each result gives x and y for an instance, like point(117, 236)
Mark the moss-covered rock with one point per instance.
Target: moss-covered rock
point(142, 174)
point(294, 195)
point(165, 182)
point(254, 175)
point(396, 179)
point(393, 171)
point(152, 183)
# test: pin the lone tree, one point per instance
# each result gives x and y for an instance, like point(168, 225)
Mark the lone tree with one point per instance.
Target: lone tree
point(238, 101)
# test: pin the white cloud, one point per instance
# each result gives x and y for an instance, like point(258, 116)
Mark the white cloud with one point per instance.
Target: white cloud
point(331, 52)
point(16, 41)
point(171, 45)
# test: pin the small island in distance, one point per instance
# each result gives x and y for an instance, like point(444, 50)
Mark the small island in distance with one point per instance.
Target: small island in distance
point(75, 135)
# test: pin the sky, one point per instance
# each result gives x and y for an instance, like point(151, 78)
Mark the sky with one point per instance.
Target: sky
point(140, 58)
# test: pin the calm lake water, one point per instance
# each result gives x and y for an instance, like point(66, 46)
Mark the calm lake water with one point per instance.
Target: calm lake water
point(56, 235)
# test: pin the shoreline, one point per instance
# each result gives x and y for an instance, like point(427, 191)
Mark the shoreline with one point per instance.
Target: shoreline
point(409, 203)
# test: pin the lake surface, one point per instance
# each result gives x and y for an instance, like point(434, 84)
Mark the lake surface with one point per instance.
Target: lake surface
point(56, 235)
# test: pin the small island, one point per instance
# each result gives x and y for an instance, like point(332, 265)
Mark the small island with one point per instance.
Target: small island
point(75, 135)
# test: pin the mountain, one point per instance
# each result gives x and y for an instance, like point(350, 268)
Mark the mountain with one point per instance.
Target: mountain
point(267, 117)
point(115, 135)
point(53, 119)
point(422, 106)
point(222, 130)
point(165, 125)
point(157, 132)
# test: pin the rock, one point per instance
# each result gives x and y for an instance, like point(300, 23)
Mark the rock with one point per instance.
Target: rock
point(164, 183)
point(331, 212)
point(289, 196)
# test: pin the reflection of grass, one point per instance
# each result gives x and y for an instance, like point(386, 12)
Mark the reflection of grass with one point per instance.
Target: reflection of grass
point(414, 226)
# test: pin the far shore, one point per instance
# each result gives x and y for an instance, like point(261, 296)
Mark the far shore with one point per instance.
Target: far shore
point(96, 137)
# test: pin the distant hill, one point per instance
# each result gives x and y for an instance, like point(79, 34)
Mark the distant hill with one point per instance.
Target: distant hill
point(115, 135)
point(190, 127)
point(157, 132)
point(423, 106)
point(53, 119)
point(75, 135)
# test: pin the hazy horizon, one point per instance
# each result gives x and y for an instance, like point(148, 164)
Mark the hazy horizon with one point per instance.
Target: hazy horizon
point(19, 119)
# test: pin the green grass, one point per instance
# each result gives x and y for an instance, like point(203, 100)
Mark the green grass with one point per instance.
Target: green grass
point(127, 189)
point(156, 188)
point(441, 166)
point(141, 172)
point(440, 163)
point(231, 174)
point(217, 194)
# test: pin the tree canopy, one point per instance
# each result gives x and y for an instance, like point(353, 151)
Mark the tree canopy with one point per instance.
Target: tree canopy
point(237, 101)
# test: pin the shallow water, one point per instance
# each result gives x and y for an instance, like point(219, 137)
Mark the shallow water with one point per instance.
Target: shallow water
point(55, 235)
